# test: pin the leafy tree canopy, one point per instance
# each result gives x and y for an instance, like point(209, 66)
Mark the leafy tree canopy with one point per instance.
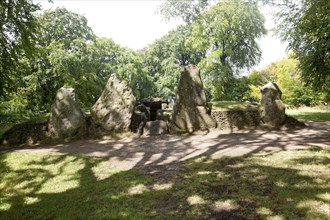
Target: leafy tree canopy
point(305, 24)
point(287, 75)
point(18, 27)
point(64, 26)
point(187, 10)
point(227, 32)
point(164, 58)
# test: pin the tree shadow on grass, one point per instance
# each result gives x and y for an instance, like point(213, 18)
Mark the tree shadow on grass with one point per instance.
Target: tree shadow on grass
point(64, 186)
point(313, 161)
point(246, 188)
point(68, 186)
point(169, 178)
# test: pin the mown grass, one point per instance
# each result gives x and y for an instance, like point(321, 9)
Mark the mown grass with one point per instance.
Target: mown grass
point(309, 113)
point(283, 185)
point(232, 105)
point(62, 186)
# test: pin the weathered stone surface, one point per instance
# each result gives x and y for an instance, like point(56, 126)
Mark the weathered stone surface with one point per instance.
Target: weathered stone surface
point(113, 111)
point(165, 115)
point(143, 109)
point(155, 128)
point(292, 123)
point(190, 111)
point(66, 117)
point(236, 118)
point(154, 104)
point(272, 109)
point(25, 133)
point(140, 117)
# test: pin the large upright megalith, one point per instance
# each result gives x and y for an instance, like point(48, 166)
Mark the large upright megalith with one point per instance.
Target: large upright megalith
point(113, 111)
point(272, 108)
point(190, 111)
point(66, 117)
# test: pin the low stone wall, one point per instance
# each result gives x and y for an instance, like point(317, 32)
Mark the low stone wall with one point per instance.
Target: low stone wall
point(236, 118)
point(225, 118)
point(25, 133)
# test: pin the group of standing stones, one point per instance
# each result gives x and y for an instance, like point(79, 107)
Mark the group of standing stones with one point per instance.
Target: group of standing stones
point(116, 112)
point(111, 113)
point(116, 109)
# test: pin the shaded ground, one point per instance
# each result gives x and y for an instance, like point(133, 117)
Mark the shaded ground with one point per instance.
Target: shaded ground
point(151, 152)
point(156, 184)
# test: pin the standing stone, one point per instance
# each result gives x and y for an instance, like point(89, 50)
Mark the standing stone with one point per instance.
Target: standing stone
point(190, 111)
point(113, 110)
point(139, 118)
point(66, 117)
point(155, 128)
point(272, 108)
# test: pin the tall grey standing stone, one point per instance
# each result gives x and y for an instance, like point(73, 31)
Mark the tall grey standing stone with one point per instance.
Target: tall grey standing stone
point(114, 109)
point(272, 107)
point(66, 117)
point(190, 111)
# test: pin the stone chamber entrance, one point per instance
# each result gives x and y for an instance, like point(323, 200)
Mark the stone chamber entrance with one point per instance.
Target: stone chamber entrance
point(153, 105)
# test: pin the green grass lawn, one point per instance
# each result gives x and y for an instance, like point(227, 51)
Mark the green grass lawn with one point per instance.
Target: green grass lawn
point(232, 105)
point(308, 113)
point(283, 185)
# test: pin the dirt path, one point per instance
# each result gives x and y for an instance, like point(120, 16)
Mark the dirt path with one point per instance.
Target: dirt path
point(162, 150)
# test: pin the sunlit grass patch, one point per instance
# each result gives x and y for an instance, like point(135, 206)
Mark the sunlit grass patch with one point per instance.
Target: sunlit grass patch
point(309, 113)
point(282, 185)
point(232, 105)
point(67, 186)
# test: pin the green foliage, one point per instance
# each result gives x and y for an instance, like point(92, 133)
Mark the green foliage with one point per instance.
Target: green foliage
point(41, 53)
point(66, 53)
point(228, 32)
point(187, 10)
point(305, 24)
point(70, 55)
point(131, 69)
point(228, 25)
point(232, 105)
point(63, 46)
point(256, 80)
point(287, 75)
point(222, 36)
point(61, 25)
point(164, 58)
point(18, 28)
